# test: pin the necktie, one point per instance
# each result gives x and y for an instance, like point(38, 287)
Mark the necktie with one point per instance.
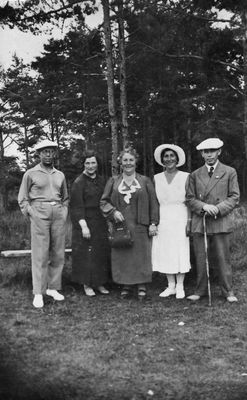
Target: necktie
point(211, 171)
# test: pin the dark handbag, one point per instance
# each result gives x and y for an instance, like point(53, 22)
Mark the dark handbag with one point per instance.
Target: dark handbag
point(119, 235)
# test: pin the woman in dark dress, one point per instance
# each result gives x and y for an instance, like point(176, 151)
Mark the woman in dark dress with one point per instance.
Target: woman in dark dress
point(131, 197)
point(90, 248)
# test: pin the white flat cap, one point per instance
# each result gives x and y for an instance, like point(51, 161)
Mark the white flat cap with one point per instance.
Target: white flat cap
point(178, 150)
point(212, 143)
point(44, 144)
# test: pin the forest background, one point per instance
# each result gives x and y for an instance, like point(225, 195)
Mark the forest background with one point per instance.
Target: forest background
point(153, 72)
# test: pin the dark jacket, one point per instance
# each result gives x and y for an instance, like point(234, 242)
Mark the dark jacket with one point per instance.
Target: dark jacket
point(147, 208)
point(221, 190)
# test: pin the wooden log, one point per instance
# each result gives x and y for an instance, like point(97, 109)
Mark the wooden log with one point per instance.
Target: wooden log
point(22, 253)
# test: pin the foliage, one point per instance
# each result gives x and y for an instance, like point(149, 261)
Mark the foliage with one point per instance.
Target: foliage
point(33, 14)
point(184, 82)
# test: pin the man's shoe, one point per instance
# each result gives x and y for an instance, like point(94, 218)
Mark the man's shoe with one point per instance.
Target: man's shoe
point(102, 290)
point(180, 293)
point(38, 301)
point(232, 299)
point(168, 292)
point(89, 291)
point(194, 297)
point(54, 293)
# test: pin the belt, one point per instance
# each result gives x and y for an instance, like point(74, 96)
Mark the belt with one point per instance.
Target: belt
point(52, 203)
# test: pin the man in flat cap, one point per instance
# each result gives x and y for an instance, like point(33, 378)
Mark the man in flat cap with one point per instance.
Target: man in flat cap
point(43, 197)
point(212, 189)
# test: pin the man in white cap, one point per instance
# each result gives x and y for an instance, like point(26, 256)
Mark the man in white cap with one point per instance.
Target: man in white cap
point(213, 189)
point(43, 197)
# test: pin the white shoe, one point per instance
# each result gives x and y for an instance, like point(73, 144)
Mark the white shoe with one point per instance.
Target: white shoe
point(54, 293)
point(232, 299)
point(194, 297)
point(38, 301)
point(103, 290)
point(89, 291)
point(168, 292)
point(180, 294)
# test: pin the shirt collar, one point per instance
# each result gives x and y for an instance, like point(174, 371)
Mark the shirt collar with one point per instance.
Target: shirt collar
point(210, 166)
point(38, 167)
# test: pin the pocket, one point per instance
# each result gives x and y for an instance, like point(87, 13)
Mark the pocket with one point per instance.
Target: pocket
point(64, 212)
point(30, 211)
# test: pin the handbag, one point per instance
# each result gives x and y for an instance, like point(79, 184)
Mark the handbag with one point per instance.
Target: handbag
point(119, 235)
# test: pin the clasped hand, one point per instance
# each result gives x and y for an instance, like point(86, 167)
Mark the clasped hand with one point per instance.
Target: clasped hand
point(211, 210)
point(118, 216)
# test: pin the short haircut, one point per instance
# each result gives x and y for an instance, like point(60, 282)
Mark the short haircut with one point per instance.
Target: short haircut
point(88, 154)
point(129, 150)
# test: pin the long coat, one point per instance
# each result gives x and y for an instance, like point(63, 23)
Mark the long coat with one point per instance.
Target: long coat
point(132, 265)
point(221, 190)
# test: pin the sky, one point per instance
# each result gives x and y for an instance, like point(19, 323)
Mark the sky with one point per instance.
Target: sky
point(27, 45)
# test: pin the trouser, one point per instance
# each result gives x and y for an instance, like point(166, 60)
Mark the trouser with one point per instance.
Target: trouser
point(48, 227)
point(221, 244)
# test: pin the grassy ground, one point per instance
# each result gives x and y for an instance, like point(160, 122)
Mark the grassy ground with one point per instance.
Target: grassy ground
point(105, 348)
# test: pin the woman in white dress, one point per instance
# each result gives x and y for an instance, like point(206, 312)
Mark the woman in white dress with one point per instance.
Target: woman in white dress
point(171, 249)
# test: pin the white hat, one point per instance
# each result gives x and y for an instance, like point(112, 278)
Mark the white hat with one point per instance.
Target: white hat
point(44, 144)
point(178, 150)
point(212, 143)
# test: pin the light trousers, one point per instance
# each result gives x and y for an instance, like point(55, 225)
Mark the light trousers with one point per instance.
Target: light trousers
point(48, 228)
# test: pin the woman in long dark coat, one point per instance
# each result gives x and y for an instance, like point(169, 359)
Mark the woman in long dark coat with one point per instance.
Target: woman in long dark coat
point(90, 248)
point(131, 197)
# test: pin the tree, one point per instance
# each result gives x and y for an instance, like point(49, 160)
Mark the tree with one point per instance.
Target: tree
point(19, 92)
point(110, 85)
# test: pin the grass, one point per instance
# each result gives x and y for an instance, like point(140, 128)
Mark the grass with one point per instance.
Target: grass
point(105, 348)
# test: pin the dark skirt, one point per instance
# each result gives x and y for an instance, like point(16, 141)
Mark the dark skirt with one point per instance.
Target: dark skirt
point(91, 258)
point(133, 265)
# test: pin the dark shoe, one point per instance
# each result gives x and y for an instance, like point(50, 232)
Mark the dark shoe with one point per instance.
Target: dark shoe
point(125, 292)
point(141, 292)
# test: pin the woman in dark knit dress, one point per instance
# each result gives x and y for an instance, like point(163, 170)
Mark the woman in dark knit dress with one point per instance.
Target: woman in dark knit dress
point(90, 248)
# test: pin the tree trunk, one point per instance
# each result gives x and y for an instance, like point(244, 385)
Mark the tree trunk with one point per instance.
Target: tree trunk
point(26, 146)
point(189, 163)
point(122, 74)
point(144, 148)
point(150, 148)
point(58, 144)
point(110, 85)
point(2, 174)
point(244, 22)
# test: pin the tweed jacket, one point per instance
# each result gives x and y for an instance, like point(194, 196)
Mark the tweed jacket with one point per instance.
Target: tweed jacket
point(221, 190)
point(147, 207)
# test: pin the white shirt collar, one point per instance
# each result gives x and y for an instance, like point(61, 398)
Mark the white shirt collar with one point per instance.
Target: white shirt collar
point(214, 166)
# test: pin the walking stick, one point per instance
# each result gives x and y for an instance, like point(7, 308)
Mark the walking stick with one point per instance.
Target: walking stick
point(206, 257)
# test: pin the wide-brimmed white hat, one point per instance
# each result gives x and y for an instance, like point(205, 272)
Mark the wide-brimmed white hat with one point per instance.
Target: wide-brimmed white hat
point(44, 144)
point(178, 150)
point(211, 143)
